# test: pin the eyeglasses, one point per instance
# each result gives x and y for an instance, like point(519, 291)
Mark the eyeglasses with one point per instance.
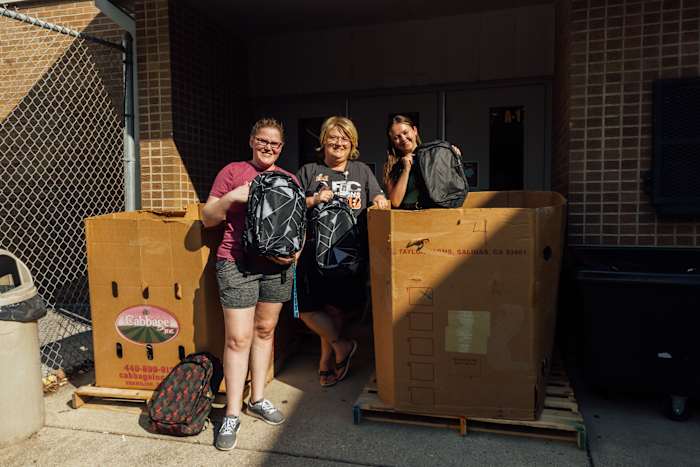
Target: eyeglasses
point(274, 145)
point(338, 139)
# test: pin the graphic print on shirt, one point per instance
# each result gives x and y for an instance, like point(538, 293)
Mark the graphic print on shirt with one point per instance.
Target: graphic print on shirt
point(322, 178)
point(350, 190)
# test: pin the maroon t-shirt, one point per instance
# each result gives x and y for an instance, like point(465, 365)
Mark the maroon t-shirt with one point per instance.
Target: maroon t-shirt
point(232, 176)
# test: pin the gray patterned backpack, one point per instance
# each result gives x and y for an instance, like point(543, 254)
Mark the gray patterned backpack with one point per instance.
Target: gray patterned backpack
point(336, 238)
point(275, 218)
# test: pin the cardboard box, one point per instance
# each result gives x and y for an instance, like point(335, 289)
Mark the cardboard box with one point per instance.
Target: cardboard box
point(464, 303)
point(153, 294)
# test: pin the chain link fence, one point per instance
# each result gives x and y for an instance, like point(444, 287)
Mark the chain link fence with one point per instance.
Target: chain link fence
point(61, 160)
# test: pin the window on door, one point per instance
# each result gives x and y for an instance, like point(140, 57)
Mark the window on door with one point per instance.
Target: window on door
point(506, 148)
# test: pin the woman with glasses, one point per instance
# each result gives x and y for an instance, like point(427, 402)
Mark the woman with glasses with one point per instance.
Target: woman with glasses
point(338, 172)
point(251, 289)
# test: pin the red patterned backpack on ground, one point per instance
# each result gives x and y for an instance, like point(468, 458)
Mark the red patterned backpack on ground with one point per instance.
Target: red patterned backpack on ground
point(181, 403)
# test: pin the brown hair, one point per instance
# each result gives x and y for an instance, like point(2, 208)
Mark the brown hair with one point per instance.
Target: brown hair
point(346, 127)
point(391, 157)
point(267, 123)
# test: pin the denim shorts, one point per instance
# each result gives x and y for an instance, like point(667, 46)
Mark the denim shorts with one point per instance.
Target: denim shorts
point(241, 289)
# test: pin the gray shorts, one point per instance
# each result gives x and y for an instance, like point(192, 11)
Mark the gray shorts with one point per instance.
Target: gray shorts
point(243, 290)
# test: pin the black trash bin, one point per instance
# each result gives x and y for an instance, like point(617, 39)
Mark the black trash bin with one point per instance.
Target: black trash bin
point(641, 320)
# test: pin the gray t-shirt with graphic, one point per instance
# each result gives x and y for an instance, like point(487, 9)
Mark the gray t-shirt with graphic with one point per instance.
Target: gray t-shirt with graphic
point(357, 183)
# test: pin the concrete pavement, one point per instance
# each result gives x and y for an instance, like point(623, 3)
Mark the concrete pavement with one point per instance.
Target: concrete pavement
point(320, 432)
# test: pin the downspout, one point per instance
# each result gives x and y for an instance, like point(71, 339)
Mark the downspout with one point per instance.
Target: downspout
point(132, 182)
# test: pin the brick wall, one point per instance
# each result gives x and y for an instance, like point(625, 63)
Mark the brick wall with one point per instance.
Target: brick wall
point(191, 103)
point(209, 98)
point(159, 159)
point(618, 47)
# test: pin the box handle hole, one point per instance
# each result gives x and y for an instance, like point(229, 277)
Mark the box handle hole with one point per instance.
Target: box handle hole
point(115, 289)
point(547, 253)
point(178, 291)
point(149, 351)
point(120, 351)
point(181, 352)
point(145, 293)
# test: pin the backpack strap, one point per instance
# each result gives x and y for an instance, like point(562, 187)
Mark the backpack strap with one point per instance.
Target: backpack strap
point(295, 300)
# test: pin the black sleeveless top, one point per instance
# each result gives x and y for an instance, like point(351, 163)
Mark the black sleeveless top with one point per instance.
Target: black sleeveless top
point(412, 196)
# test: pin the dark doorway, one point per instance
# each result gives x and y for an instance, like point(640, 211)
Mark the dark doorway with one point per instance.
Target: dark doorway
point(506, 148)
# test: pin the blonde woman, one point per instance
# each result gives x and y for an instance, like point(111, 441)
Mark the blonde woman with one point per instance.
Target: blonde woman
point(338, 172)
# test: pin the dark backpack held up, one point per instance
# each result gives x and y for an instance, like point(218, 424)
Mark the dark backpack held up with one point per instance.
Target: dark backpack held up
point(336, 240)
point(181, 403)
point(275, 218)
point(440, 176)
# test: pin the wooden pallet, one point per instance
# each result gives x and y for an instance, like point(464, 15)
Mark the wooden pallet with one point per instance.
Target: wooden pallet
point(133, 400)
point(123, 400)
point(560, 419)
point(114, 399)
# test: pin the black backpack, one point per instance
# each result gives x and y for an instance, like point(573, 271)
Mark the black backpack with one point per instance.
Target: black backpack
point(181, 403)
point(336, 238)
point(275, 222)
point(440, 176)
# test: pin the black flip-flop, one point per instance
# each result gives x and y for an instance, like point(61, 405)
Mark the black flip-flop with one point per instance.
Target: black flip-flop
point(344, 366)
point(327, 373)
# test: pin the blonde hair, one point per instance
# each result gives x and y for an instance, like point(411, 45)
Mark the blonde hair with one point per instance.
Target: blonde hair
point(391, 157)
point(267, 123)
point(346, 127)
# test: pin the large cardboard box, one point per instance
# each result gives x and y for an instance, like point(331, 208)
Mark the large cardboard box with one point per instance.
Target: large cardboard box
point(464, 303)
point(153, 294)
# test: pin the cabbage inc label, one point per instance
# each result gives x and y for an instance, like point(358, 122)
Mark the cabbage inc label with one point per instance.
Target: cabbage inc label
point(147, 324)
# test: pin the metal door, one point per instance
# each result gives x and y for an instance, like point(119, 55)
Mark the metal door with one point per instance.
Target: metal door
point(372, 114)
point(502, 134)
